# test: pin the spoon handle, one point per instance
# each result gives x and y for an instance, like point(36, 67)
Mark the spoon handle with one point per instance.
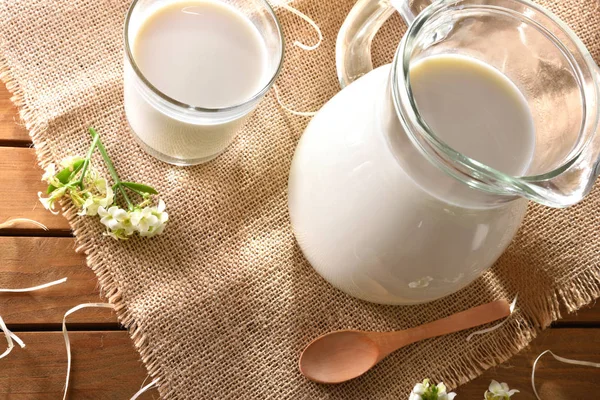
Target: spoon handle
point(463, 320)
point(456, 322)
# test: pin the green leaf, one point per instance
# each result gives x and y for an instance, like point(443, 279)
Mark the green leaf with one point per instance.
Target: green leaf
point(64, 174)
point(139, 187)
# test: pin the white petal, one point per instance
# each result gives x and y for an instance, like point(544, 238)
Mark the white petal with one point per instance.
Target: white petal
point(505, 386)
point(50, 171)
point(159, 229)
point(451, 395)
point(441, 387)
point(120, 215)
point(152, 220)
point(511, 392)
point(163, 217)
point(113, 209)
point(113, 225)
point(102, 211)
point(135, 217)
point(48, 203)
point(419, 388)
point(495, 387)
point(161, 205)
point(414, 396)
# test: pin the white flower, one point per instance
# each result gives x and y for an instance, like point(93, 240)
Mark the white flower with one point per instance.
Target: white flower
point(420, 388)
point(49, 172)
point(92, 203)
point(113, 217)
point(48, 202)
point(442, 395)
point(426, 391)
point(150, 221)
point(68, 162)
point(447, 396)
point(117, 222)
point(499, 391)
point(144, 220)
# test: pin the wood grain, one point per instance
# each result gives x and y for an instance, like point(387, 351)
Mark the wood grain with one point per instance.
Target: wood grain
point(11, 131)
point(30, 261)
point(105, 366)
point(554, 380)
point(20, 180)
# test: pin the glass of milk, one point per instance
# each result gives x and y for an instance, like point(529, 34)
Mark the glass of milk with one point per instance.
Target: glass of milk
point(194, 70)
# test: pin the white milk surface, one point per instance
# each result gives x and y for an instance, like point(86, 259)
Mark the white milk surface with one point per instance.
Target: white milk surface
point(475, 110)
point(380, 222)
point(200, 53)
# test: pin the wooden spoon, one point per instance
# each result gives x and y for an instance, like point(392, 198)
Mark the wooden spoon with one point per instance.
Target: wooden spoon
point(343, 355)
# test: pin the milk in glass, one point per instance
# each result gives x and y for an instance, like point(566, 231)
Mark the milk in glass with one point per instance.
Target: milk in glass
point(196, 54)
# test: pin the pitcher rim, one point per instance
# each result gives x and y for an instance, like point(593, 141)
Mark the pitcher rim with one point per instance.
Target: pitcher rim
point(509, 184)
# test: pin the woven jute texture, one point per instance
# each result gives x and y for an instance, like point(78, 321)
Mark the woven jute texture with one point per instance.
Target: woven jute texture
point(221, 305)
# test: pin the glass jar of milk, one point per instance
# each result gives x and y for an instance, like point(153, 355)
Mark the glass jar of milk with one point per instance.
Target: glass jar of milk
point(194, 70)
point(412, 181)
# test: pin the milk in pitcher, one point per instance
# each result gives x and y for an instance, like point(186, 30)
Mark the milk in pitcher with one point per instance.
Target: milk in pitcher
point(425, 234)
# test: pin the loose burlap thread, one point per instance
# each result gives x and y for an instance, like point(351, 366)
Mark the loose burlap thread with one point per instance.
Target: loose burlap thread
point(222, 304)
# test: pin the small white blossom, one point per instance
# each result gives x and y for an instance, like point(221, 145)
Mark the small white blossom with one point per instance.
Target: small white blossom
point(92, 203)
point(426, 391)
point(113, 217)
point(49, 172)
point(143, 220)
point(150, 221)
point(420, 388)
point(48, 202)
point(69, 162)
point(499, 391)
point(442, 395)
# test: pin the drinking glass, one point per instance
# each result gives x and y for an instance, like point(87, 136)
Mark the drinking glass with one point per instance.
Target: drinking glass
point(184, 134)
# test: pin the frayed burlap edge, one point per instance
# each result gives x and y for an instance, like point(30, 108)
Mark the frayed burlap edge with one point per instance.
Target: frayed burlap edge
point(577, 292)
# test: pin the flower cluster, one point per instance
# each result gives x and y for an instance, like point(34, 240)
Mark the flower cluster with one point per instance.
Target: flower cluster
point(121, 224)
point(499, 391)
point(79, 181)
point(427, 391)
point(87, 192)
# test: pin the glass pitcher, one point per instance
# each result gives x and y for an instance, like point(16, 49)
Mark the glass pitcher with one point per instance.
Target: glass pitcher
point(386, 210)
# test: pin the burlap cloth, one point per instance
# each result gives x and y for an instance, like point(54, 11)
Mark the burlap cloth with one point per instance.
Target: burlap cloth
point(221, 305)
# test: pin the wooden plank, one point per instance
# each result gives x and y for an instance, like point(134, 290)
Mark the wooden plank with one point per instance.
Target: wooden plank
point(38, 371)
point(30, 261)
point(588, 315)
point(11, 131)
point(554, 380)
point(105, 366)
point(20, 180)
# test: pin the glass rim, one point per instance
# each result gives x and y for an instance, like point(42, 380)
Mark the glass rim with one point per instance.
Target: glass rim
point(517, 184)
point(171, 100)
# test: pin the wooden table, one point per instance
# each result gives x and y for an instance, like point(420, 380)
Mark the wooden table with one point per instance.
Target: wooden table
point(105, 364)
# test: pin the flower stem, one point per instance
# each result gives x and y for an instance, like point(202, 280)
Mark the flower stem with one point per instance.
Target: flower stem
point(88, 157)
point(111, 167)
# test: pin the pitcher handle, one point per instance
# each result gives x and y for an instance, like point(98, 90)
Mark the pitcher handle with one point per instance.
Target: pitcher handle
point(353, 46)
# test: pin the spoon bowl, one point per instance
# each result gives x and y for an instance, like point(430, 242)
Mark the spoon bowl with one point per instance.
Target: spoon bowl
point(352, 353)
point(343, 355)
